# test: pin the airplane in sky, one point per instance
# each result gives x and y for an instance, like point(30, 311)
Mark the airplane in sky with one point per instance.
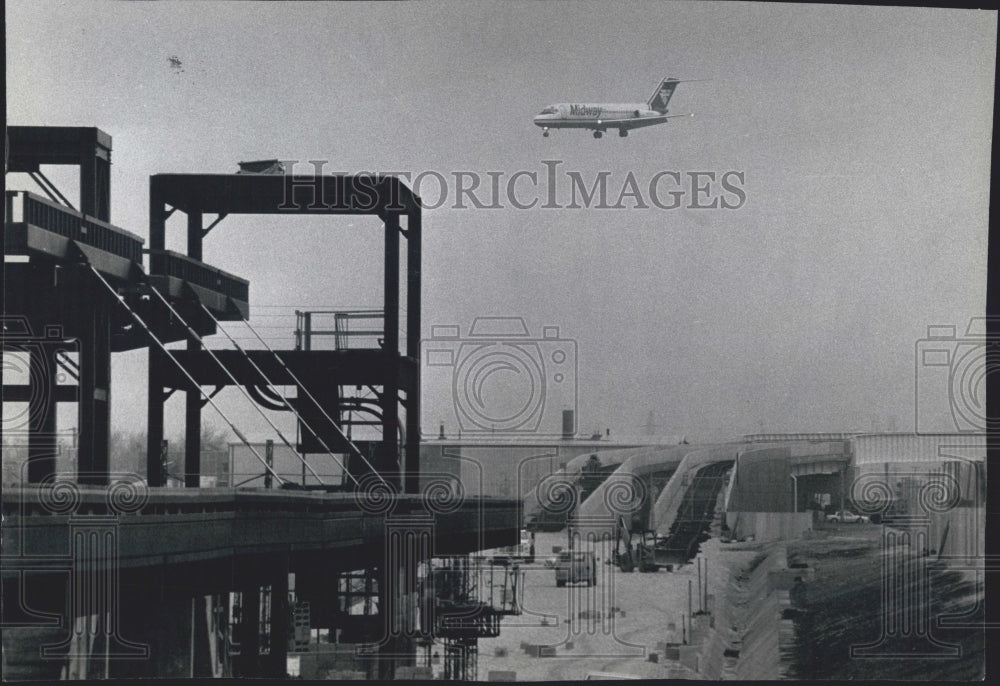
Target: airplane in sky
point(601, 117)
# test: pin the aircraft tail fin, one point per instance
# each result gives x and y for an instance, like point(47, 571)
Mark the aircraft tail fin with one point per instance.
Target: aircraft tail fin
point(661, 96)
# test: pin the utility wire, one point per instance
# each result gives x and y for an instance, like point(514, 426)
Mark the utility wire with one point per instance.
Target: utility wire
point(283, 399)
point(185, 372)
point(236, 383)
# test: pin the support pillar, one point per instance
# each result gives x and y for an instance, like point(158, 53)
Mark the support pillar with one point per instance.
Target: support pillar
point(384, 667)
point(173, 649)
point(95, 382)
point(247, 664)
point(278, 654)
point(192, 432)
point(95, 175)
point(388, 463)
point(155, 475)
point(193, 402)
point(413, 285)
point(42, 446)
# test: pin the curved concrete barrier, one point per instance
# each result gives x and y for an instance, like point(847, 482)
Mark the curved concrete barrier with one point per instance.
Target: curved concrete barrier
point(664, 510)
point(621, 490)
point(571, 474)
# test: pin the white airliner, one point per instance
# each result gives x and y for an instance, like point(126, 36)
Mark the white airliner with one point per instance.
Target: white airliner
point(601, 117)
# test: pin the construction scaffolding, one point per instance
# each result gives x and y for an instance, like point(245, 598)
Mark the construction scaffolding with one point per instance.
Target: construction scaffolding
point(469, 596)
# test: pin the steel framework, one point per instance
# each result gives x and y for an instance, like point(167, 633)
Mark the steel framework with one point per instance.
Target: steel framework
point(392, 371)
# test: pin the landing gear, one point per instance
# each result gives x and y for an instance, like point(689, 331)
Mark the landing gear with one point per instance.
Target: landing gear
point(597, 134)
point(623, 132)
point(545, 133)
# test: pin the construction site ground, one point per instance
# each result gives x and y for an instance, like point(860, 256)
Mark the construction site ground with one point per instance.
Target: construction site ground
point(568, 633)
point(566, 619)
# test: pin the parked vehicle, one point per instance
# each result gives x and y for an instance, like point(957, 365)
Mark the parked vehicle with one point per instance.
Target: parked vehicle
point(575, 567)
point(522, 552)
point(847, 517)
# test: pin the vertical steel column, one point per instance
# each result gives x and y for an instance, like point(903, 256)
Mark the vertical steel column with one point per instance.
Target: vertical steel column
point(278, 655)
point(156, 359)
point(248, 664)
point(413, 260)
point(42, 447)
point(269, 459)
point(389, 459)
point(95, 381)
point(385, 668)
point(192, 400)
point(95, 175)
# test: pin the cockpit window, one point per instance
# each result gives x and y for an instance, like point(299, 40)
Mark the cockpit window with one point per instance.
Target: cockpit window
point(549, 110)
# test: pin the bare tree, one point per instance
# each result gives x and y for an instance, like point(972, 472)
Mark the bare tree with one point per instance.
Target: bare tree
point(128, 450)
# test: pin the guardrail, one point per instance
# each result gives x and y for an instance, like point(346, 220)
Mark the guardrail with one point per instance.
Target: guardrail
point(36, 500)
point(22, 206)
point(802, 436)
point(344, 335)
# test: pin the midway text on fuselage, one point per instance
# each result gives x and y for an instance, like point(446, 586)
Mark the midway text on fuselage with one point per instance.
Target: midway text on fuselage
point(601, 117)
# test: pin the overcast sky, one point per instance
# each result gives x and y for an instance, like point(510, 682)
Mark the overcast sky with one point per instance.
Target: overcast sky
point(863, 137)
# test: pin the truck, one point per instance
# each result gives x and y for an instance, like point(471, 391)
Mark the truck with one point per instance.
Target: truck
point(573, 567)
point(521, 552)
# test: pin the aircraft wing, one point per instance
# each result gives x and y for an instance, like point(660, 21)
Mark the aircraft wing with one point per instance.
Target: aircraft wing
point(639, 122)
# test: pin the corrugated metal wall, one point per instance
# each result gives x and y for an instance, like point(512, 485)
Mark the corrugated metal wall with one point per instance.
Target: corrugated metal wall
point(911, 448)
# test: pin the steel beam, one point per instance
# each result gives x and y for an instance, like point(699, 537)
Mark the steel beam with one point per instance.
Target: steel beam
point(284, 194)
point(412, 389)
point(95, 380)
point(88, 148)
point(192, 401)
point(42, 446)
point(157, 359)
point(389, 457)
point(342, 367)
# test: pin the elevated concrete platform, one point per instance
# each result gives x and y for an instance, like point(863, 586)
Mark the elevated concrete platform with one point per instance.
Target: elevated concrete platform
point(158, 526)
